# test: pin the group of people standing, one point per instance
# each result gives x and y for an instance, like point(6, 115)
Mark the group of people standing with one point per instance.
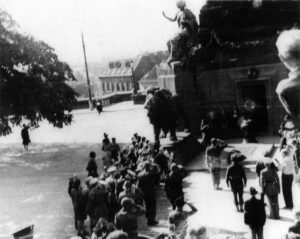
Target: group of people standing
point(286, 161)
point(126, 189)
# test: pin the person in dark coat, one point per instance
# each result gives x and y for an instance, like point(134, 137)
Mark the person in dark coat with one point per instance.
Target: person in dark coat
point(92, 166)
point(127, 218)
point(236, 177)
point(173, 185)
point(269, 182)
point(105, 142)
point(79, 204)
point(114, 149)
point(146, 183)
point(25, 136)
point(162, 160)
point(99, 198)
point(255, 215)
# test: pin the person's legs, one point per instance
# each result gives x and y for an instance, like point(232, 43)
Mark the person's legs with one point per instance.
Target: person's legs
point(241, 200)
point(253, 233)
point(150, 202)
point(289, 194)
point(235, 198)
point(276, 207)
point(260, 234)
point(213, 176)
point(284, 184)
point(271, 206)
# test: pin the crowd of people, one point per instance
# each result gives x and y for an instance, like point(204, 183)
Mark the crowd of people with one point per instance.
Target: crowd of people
point(126, 189)
point(286, 160)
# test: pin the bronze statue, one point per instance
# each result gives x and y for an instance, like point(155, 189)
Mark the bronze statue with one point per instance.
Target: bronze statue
point(188, 26)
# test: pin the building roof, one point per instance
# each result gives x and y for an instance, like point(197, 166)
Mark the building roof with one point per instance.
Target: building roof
point(141, 65)
point(117, 72)
point(151, 75)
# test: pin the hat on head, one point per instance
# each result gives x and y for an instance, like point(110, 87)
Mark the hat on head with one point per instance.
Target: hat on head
point(93, 182)
point(126, 202)
point(127, 184)
point(253, 191)
point(112, 169)
point(213, 141)
point(173, 166)
point(88, 180)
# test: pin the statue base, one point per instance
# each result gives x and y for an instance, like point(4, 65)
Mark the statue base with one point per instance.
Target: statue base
point(185, 149)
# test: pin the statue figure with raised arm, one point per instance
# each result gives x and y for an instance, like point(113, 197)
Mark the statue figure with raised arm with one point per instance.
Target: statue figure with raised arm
point(188, 26)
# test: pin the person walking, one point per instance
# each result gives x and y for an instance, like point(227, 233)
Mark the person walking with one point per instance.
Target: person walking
point(213, 160)
point(255, 215)
point(25, 136)
point(287, 165)
point(236, 177)
point(269, 182)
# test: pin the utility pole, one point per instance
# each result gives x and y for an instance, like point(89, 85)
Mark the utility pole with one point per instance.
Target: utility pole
point(133, 81)
point(87, 75)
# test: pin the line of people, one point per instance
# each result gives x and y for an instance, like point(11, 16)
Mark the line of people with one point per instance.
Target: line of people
point(126, 189)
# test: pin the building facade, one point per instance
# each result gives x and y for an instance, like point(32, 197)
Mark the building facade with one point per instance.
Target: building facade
point(237, 68)
point(116, 80)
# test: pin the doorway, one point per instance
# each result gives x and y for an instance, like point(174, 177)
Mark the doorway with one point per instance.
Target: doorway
point(252, 100)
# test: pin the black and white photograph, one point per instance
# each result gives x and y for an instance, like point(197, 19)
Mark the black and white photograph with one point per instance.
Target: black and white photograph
point(149, 119)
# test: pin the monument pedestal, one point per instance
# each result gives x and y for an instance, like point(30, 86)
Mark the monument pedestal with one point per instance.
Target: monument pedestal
point(185, 149)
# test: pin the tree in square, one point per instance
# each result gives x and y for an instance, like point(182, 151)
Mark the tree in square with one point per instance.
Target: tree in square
point(32, 80)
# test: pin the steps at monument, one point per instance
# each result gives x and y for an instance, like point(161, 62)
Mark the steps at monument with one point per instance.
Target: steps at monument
point(253, 153)
point(185, 149)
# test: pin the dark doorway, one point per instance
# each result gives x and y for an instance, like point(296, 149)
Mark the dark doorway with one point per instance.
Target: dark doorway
point(252, 101)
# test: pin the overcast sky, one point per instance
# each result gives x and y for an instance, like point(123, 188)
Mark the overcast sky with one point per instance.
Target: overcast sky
point(112, 28)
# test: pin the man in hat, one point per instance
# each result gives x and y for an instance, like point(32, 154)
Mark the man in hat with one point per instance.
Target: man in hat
point(146, 183)
point(132, 192)
point(236, 177)
point(255, 215)
point(213, 160)
point(105, 142)
point(127, 218)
